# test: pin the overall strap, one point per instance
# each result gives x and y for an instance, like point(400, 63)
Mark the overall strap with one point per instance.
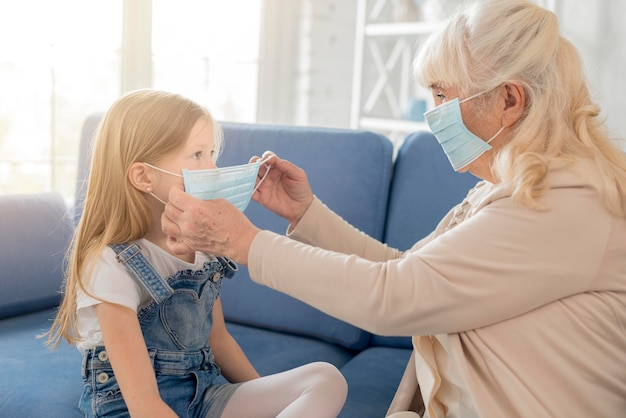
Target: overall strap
point(131, 256)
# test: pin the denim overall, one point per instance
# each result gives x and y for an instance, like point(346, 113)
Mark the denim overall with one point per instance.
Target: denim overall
point(176, 326)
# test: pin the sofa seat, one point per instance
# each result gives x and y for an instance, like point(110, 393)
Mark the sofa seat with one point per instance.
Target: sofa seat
point(37, 381)
point(373, 376)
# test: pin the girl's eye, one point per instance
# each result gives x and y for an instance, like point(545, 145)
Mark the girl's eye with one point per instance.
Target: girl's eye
point(441, 96)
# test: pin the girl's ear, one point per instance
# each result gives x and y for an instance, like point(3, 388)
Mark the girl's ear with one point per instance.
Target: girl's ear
point(139, 177)
point(514, 103)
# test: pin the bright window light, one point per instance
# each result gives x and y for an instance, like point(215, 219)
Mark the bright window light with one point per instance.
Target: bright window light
point(60, 61)
point(209, 51)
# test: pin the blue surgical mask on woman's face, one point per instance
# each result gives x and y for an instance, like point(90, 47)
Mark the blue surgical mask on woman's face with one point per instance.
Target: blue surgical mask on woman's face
point(235, 183)
point(460, 145)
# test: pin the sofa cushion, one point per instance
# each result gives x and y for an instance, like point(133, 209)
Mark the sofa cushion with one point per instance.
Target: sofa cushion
point(348, 170)
point(373, 376)
point(397, 342)
point(34, 226)
point(424, 189)
point(37, 381)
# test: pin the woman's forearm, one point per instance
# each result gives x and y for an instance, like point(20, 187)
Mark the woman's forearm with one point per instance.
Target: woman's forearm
point(323, 228)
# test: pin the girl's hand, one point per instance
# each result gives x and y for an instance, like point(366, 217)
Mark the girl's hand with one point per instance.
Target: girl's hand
point(285, 189)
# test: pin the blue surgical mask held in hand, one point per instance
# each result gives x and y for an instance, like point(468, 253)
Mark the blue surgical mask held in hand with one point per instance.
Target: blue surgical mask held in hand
point(235, 183)
point(459, 143)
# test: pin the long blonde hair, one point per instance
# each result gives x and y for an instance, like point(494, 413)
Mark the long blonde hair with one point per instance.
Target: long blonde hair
point(492, 42)
point(141, 126)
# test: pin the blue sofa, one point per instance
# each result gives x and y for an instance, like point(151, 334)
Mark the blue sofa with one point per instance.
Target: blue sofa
point(397, 199)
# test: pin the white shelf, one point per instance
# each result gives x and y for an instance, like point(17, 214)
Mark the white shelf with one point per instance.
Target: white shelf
point(400, 29)
point(382, 82)
point(394, 125)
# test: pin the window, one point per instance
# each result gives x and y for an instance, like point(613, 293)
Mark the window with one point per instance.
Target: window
point(65, 62)
point(209, 52)
point(57, 68)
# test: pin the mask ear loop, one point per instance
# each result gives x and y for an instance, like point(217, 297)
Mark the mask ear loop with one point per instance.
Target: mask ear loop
point(267, 170)
point(472, 96)
point(149, 190)
point(162, 170)
point(495, 135)
point(157, 198)
point(151, 193)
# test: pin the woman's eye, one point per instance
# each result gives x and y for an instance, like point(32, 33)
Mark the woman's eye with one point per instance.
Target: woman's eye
point(197, 155)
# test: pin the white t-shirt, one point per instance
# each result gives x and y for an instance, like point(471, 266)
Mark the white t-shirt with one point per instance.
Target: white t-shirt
point(113, 282)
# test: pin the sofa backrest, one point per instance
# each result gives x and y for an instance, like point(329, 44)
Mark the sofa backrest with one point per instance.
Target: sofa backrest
point(423, 190)
point(36, 230)
point(350, 171)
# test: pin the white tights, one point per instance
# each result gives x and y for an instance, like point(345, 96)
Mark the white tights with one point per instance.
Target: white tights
point(315, 390)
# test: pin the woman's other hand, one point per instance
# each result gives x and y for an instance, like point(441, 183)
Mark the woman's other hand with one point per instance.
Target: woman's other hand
point(285, 189)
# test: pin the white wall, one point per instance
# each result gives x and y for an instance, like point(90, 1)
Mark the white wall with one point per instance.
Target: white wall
point(307, 49)
point(324, 84)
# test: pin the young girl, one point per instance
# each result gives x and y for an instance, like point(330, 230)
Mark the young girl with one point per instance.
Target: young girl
point(150, 324)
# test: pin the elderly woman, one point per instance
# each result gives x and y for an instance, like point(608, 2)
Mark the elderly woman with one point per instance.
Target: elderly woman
point(517, 301)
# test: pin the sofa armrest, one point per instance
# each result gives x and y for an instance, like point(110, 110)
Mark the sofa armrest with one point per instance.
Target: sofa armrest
point(36, 231)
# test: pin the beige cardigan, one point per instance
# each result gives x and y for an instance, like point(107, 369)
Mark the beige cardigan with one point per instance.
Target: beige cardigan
point(534, 302)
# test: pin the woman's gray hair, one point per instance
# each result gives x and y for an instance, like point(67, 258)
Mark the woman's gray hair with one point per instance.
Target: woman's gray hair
point(492, 42)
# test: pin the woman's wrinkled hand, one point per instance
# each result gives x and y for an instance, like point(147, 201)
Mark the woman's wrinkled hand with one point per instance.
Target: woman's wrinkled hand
point(211, 226)
point(285, 190)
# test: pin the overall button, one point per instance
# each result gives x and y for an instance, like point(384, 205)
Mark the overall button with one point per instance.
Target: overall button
point(103, 356)
point(215, 277)
point(102, 377)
